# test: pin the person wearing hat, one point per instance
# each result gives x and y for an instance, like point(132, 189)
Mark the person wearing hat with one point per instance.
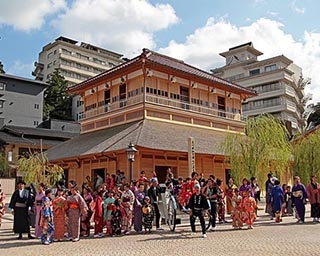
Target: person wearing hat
point(20, 205)
point(198, 205)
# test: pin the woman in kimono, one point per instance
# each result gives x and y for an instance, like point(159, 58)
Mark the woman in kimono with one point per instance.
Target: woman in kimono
point(85, 219)
point(139, 196)
point(108, 205)
point(38, 207)
point(127, 200)
point(313, 190)
point(98, 215)
point(221, 202)
point(47, 219)
point(2, 204)
point(59, 205)
point(299, 196)
point(248, 207)
point(229, 190)
point(236, 210)
point(76, 207)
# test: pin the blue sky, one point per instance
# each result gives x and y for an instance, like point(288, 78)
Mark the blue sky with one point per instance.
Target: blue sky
point(195, 31)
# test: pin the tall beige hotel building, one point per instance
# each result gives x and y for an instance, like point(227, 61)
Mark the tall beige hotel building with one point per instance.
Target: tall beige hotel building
point(77, 63)
point(278, 81)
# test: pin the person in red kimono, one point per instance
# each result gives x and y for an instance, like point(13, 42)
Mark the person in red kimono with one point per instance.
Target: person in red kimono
point(98, 215)
point(313, 190)
point(60, 206)
point(187, 191)
point(248, 207)
point(109, 182)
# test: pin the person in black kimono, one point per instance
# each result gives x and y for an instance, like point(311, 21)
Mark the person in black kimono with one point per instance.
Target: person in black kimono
point(116, 218)
point(154, 193)
point(198, 206)
point(148, 215)
point(20, 204)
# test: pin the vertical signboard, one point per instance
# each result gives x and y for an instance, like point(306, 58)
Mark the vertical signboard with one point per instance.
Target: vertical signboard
point(191, 155)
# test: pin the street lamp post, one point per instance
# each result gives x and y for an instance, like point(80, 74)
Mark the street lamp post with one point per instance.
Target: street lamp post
point(131, 151)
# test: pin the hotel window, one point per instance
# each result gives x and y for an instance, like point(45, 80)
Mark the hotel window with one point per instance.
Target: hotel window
point(50, 54)
point(270, 68)
point(2, 86)
point(254, 72)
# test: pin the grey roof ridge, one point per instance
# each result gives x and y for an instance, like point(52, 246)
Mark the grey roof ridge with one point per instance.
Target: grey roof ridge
point(125, 135)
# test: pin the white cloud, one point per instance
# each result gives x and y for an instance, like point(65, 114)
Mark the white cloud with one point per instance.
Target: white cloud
point(297, 9)
point(125, 26)
point(202, 48)
point(28, 15)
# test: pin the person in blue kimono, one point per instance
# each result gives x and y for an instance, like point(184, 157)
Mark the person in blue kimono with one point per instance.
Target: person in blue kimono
point(277, 200)
point(47, 219)
point(299, 196)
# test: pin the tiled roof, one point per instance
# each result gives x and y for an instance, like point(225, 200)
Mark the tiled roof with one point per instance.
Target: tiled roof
point(8, 138)
point(183, 67)
point(37, 132)
point(147, 134)
point(174, 64)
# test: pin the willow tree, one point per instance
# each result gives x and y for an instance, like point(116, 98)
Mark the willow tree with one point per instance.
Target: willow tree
point(36, 168)
point(306, 152)
point(263, 148)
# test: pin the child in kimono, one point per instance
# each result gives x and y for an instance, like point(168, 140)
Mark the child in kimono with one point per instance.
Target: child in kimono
point(47, 219)
point(116, 218)
point(288, 200)
point(148, 214)
point(248, 206)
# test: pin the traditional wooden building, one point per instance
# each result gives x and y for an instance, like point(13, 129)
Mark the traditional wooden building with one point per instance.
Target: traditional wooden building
point(176, 115)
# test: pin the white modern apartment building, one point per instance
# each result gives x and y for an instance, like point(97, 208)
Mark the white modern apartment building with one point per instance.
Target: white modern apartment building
point(76, 61)
point(278, 82)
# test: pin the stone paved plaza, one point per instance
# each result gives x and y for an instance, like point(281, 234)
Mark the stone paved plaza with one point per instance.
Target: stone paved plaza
point(267, 238)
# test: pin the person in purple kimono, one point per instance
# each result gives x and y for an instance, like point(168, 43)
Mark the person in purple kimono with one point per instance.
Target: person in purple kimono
point(137, 208)
point(299, 196)
point(38, 209)
point(245, 186)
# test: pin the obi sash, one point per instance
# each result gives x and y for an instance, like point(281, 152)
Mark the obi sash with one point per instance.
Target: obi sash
point(126, 199)
point(74, 206)
point(20, 205)
point(298, 193)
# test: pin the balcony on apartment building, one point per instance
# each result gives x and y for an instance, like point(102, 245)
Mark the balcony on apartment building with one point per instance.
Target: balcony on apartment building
point(269, 105)
point(84, 60)
point(262, 74)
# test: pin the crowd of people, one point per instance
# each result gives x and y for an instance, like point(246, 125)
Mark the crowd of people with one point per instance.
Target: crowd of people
point(69, 211)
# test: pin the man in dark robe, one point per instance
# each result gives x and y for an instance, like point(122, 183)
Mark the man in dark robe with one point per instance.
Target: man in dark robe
point(20, 204)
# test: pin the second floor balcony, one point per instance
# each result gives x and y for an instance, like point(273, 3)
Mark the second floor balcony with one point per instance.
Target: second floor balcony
point(167, 104)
